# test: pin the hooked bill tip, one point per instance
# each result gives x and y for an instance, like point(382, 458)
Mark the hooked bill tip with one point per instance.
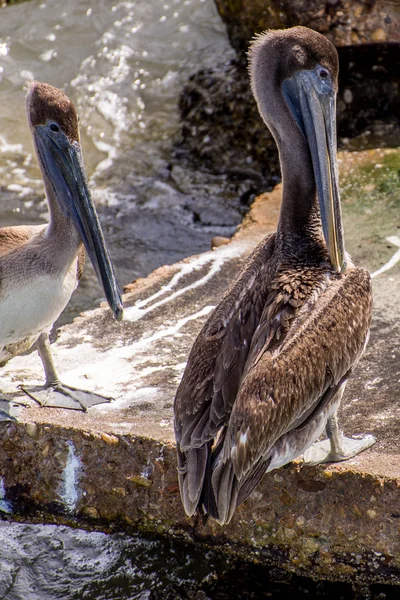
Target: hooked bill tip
point(119, 314)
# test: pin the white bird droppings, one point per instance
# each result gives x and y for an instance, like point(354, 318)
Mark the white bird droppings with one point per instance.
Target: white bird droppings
point(395, 240)
point(5, 505)
point(70, 491)
point(170, 291)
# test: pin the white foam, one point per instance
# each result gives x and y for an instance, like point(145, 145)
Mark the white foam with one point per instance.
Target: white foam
point(4, 49)
point(124, 365)
point(6, 147)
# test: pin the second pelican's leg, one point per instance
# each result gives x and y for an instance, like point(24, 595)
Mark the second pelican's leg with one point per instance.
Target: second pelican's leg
point(43, 348)
point(55, 393)
point(337, 447)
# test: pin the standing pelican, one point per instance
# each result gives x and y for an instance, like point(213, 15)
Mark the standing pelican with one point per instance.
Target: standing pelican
point(40, 266)
point(268, 370)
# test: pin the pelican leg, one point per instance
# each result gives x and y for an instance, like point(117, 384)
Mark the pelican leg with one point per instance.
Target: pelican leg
point(56, 394)
point(337, 447)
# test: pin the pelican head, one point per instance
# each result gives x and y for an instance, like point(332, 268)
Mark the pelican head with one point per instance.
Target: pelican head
point(54, 124)
point(294, 75)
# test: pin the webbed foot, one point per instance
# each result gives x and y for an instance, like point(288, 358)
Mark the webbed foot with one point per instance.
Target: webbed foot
point(325, 452)
point(55, 393)
point(64, 396)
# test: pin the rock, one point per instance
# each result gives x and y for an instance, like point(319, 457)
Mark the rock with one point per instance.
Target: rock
point(91, 512)
point(344, 22)
point(32, 430)
point(140, 480)
point(222, 130)
point(218, 241)
point(109, 439)
point(218, 105)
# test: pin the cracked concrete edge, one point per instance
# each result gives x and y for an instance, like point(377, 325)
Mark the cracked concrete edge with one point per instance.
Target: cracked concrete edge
point(326, 522)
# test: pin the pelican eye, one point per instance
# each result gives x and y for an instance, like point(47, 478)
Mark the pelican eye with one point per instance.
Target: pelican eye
point(323, 73)
point(54, 127)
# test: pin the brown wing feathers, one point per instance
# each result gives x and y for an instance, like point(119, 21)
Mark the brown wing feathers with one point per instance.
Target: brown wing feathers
point(255, 364)
point(283, 393)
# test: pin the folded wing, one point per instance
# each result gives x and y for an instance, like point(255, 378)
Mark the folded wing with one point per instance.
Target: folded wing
point(286, 394)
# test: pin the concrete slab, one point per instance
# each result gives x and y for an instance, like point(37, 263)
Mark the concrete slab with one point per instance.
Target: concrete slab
point(116, 463)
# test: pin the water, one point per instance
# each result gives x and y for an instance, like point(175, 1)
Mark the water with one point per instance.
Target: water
point(123, 64)
point(75, 565)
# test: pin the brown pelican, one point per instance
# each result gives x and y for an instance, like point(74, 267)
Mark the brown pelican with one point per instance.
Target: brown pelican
point(40, 266)
point(267, 372)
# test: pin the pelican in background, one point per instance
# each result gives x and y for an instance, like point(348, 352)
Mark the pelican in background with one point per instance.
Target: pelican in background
point(267, 372)
point(40, 266)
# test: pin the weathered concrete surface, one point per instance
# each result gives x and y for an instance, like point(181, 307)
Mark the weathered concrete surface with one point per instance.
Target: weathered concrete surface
point(344, 22)
point(116, 463)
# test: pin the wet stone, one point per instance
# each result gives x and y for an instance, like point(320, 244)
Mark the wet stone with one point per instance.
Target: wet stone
point(344, 23)
point(32, 430)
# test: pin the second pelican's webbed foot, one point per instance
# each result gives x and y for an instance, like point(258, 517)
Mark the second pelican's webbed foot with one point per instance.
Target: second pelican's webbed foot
point(337, 447)
point(55, 393)
point(64, 396)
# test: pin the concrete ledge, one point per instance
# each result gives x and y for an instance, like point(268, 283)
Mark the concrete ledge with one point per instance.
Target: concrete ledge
point(116, 463)
point(334, 523)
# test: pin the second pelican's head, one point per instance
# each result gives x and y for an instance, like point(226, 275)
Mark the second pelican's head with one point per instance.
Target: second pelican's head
point(294, 75)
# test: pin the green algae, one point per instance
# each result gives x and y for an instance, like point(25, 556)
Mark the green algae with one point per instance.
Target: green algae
point(370, 195)
point(374, 182)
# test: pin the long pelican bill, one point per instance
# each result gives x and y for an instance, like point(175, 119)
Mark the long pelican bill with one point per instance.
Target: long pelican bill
point(310, 96)
point(62, 161)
